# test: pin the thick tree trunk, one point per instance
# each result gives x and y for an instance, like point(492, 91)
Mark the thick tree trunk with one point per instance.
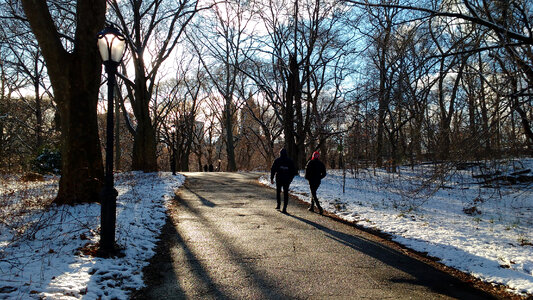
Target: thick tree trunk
point(448, 112)
point(75, 78)
point(383, 97)
point(144, 144)
point(81, 157)
point(299, 156)
point(230, 147)
point(199, 156)
point(184, 161)
point(288, 113)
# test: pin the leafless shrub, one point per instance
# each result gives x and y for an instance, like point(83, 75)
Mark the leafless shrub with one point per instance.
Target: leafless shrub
point(22, 203)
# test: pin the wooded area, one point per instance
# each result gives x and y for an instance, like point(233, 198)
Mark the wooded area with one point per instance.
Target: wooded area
point(367, 83)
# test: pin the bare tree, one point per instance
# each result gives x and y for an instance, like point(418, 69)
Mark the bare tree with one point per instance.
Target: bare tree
point(504, 25)
point(68, 46)
point(153, 30)
point(223, 45)
point(301, 79)
point(24, 57)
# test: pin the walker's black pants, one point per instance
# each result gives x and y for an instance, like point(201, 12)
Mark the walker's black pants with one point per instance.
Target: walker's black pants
point(285, 186)
point(313, 185)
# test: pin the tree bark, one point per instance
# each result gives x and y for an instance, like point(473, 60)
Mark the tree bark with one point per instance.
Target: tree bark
point(144, 145)
point(288, 113)
point(384, 90)
point(118, 148)
point(75, 78)
point(230, 147)
point(446, 113)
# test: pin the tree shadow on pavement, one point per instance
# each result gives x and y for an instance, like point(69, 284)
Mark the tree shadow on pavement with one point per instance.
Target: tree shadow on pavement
point(202, 199)
point(159, 272)
point(422, 273)
point(264, 287)
point(160, 277)
point(163, 281)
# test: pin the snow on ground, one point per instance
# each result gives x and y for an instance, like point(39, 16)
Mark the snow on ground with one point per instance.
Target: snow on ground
point(486, 232)
point(39, 249)
point(493, 242)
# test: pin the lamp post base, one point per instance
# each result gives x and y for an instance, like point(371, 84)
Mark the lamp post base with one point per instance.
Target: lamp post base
point(115, 252)
point(108, 204)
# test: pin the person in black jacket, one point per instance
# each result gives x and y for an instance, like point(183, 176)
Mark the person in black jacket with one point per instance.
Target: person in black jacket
point(314, 172)
point(284, 170)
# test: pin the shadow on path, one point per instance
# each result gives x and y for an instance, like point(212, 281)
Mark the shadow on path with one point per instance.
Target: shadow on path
point(180, 270)
point(224, 240)
point(424, 274)
point(202, 199)
point(264, 287)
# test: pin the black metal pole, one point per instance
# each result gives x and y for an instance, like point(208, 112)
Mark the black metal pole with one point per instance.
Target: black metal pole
point(108, 200)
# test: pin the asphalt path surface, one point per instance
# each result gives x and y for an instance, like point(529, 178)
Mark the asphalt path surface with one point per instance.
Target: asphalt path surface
point(224, 239)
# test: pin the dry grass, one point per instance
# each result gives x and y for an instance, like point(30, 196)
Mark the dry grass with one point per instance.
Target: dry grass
point(21, 199)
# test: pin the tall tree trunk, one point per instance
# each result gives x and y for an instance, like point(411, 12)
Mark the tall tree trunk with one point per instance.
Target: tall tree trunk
point(38, 107)
point(199, 156)
point(3, 100)
point(187, 141)
point(117, 130)
point(473, 125)
point(299, 159)
point(301, 129)
point(184, 161)
point(484, 111)
point(75, 79)
point(38, 120)
point(383, 94)
point(144, 144)
point(230, 147)
point(448, 112)
point(288, 116)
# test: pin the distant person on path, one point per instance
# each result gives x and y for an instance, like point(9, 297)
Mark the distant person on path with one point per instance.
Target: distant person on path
point(314, 172)
point(284, 170)
point(211, 169)
point(205, 168)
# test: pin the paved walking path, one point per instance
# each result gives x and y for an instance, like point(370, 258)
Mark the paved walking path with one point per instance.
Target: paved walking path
point(225, 240)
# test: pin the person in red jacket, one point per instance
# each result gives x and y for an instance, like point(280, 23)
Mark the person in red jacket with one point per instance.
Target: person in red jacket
point(314, 172)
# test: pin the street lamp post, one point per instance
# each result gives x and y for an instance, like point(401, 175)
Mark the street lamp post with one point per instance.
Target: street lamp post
point(173, 151)
point(112, 45)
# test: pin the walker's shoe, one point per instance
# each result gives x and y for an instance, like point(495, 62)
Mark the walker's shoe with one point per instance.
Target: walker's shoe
point(320, 210)
point(312, 209)
point(277, 207)
point(284, 212)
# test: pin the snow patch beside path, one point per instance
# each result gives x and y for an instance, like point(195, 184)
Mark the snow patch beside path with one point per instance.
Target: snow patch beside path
point(47, 263)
